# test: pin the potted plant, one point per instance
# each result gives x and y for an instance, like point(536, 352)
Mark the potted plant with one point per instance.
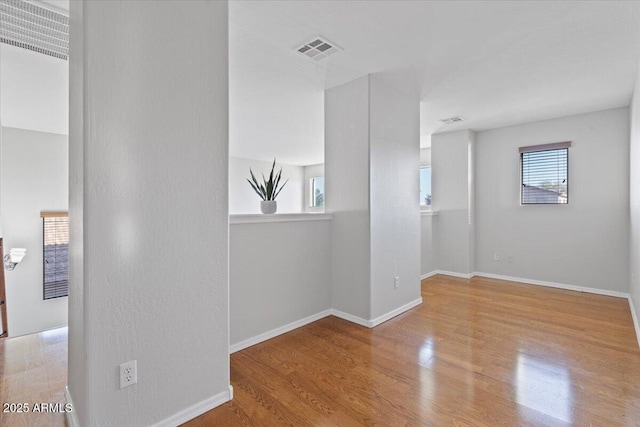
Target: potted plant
point(268, 190)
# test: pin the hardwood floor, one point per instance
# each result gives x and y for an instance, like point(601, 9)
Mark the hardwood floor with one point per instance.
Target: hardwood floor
point(478, 352)
point(33, 369)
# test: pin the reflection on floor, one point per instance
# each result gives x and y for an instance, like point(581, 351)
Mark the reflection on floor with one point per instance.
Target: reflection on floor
point(478, 352)
point(33, 370)
point(544, 387)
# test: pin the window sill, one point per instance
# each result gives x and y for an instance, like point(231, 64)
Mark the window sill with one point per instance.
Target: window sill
point(429, 213)
point(285, 217)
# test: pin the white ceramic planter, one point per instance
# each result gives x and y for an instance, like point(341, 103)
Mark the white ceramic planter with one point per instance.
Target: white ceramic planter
point(268, 206)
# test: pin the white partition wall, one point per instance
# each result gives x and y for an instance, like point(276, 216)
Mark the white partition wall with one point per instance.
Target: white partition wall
point(453, 198)
point(394, 155)
point(149, 211)
point(346, 155)
point(280, 274)
point(372, 161)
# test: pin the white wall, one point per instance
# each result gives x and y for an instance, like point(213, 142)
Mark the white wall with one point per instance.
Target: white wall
point(347, 186)
point(275, 110)
point(153, 160)
point(34, 178)
point(279, 273)
point(452, 186)
point(394, 207)
point(634, 193)
point(427, 252)
point(35, 91)
point(242, 198)
point(584, 243)
point(313, 171)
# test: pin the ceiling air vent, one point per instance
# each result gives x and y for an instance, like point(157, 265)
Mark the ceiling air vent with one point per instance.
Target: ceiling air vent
point(318, 48)
point(451, 120)
point(32, 27)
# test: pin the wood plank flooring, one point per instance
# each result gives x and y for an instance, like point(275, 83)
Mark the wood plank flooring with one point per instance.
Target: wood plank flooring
point(478, 352)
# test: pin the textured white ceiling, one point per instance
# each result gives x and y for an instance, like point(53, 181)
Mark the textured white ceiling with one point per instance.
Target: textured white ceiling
point(494, 63)
point(559, 59)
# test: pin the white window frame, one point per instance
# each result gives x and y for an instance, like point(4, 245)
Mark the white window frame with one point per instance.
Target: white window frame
point(540, 148)
point(312, 195)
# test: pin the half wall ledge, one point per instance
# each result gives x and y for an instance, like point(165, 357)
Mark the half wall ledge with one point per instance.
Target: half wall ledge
point(284, 217)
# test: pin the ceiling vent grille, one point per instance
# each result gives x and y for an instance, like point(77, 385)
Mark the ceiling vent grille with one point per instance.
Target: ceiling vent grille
point(318, 48)
point(451, 120)
point(32, 27)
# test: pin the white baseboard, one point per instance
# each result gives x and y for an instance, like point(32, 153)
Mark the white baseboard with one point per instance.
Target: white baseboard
point(554, 285)
point(634, 316)
point(427, 275)
point(452, 273)
point(278, 331)
point(394, 313)
point(330, 312)
point(378, 320)
point(350, 317)
point(196, 410)
point(70, 417)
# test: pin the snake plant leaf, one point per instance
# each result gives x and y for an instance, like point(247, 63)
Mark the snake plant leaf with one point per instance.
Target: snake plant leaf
point(278, 177)
point(272, 168)
point(255, 189)
point(277, 180)
point(285, 183)
point(262, 190)
point(255, 181)
point(268, 189)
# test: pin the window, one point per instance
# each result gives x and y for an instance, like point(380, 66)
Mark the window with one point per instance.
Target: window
point(56, 254)
point(544, 171)
point(317, 192)
point(425, 188)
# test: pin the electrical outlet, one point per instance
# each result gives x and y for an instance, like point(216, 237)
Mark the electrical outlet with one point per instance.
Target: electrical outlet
point(510, 258)
point(396, 282)
point(128, 373)
point(496, 256)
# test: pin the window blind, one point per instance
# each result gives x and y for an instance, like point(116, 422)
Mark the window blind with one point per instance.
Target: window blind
point(545, 174)
point(56, 254)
